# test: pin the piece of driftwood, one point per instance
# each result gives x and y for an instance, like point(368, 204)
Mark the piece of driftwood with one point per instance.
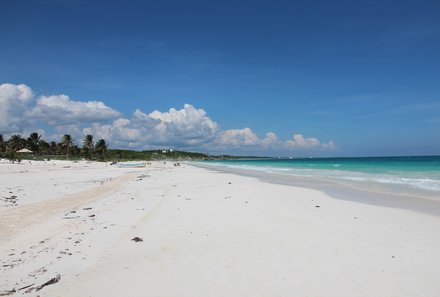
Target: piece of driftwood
point(22, 288)
point(52, 281)
point(7, 293)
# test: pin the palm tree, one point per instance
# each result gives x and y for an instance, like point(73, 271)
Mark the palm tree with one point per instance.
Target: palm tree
point(33, 142)
point(2, 145)
point(76, 151)
point(67, 142)
point(44, 147)
point(88, 146)
point(53, 148)
point(101, 149)
point(16, 143)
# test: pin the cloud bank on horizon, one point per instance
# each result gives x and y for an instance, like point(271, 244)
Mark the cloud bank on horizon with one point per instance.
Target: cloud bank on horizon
point(22, 112)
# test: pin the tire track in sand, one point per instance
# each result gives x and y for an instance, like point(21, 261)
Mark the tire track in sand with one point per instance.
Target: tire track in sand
point(13, 220)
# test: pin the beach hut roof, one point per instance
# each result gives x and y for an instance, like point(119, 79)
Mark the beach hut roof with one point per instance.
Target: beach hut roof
point(25, 150)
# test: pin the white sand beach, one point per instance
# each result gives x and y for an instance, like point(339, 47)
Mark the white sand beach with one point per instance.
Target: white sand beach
point(66, 229)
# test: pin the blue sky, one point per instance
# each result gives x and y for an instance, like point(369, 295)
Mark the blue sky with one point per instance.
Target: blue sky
point(351, 78)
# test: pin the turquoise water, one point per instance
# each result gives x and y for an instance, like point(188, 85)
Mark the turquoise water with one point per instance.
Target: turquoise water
point(404, 175)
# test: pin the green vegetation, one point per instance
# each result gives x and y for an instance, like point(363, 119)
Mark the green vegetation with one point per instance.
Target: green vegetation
point(88, 146)
point(66, 149)
point(41, 149)
point(66, 143)
point(117, 154)
point(101, 149)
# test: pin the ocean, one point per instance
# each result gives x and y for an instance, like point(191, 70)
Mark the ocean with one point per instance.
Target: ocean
point(411, 176)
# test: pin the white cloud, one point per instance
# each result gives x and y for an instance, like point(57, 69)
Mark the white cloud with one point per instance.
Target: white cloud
point(120, 131)
point(60, 109)
point(270, 140)
point(238, 137)
point(191, 128)
point(20, 111)
point(72, 129)
point(298, 141)
point(14, 101)
point(186, 128)
point(330, 145)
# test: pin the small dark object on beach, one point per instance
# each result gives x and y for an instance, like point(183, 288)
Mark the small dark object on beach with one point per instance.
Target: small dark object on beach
point(12, 199)
point(7, 293)
point(317, 206)
point(25, 287)
point(87, 208)
point(50, 282)
point(91, 216)
point(229, 183)
point(137, 239)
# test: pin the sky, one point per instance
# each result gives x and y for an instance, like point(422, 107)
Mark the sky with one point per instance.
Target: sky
point(269, 78)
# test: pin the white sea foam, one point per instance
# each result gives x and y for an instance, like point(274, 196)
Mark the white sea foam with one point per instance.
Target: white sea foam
point(401, 179)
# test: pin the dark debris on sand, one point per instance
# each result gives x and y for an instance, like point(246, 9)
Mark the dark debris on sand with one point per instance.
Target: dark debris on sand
point(49, 282)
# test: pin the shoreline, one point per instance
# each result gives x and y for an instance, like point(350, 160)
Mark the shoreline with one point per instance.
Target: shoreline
point(187, 231)
point(338, 190)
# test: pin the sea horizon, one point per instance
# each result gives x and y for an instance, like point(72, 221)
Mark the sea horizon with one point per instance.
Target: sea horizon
point(330, 157)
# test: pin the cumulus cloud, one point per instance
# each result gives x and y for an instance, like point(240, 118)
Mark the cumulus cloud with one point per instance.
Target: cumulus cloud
point(270, 140)
point(329, 145)
point(238, 137)
point(185, 128)
point(60, 109)
point(119, 132)
point(299, 141)
point(189, 126)
point(20, 108)
point(246, 137)
point(14, 101)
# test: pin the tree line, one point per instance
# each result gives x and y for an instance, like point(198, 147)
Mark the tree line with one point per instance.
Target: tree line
point(66, 147)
